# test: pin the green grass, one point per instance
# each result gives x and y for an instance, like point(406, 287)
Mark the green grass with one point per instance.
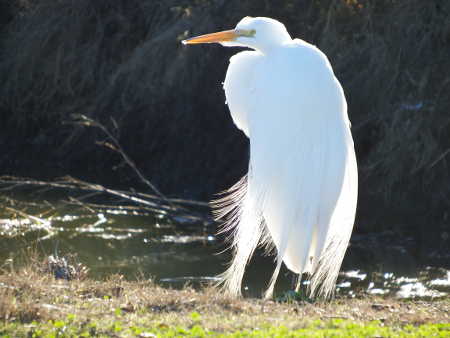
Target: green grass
point(331, 328)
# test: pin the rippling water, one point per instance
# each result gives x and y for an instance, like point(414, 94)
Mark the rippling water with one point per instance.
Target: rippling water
point(141, 245)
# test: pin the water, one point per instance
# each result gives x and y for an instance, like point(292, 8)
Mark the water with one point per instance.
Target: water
point(142, 245)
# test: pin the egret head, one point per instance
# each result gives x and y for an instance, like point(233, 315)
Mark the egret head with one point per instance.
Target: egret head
point(258, 33)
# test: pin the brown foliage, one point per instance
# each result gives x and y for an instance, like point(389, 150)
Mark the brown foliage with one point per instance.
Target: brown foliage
point(124, 59)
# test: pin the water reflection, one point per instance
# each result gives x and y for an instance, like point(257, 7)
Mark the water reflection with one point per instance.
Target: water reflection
point(141, 245)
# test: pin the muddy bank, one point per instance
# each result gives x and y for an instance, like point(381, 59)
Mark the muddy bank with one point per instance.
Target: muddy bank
point(34, 303)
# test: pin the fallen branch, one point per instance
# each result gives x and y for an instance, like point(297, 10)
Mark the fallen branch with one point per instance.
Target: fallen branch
point(175, 208)
point(157, 202)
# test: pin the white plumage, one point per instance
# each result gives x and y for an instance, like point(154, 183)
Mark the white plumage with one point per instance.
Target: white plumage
point(301, 189)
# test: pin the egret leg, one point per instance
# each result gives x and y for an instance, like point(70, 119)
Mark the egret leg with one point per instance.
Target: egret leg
point(294, 281)
point(299, 282)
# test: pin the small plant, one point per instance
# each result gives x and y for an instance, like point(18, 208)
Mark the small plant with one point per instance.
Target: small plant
point(292, 296)
point(195, 316)
point(64, 267)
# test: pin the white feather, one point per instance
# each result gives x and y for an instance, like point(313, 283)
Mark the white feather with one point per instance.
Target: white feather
point(301, 189)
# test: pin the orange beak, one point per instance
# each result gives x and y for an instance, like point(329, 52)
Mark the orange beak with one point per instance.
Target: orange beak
point(223, 36)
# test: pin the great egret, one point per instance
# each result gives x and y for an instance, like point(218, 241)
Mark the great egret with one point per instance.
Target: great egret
point(301, 188)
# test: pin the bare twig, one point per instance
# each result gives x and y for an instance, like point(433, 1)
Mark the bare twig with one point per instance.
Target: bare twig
point(115, 146)
point(25, 215)
point(445, 153)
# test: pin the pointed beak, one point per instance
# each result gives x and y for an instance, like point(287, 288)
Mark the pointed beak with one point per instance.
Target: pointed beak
point(218, 37)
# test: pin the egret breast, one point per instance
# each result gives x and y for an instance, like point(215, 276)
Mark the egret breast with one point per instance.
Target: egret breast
point(239, 86)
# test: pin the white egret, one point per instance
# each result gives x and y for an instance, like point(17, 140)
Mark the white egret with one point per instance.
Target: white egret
point(301, 188)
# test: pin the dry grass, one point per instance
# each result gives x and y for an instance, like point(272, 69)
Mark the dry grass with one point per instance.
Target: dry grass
point(28, 295)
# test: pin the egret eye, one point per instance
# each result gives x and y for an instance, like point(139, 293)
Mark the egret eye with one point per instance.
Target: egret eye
point(248, 33)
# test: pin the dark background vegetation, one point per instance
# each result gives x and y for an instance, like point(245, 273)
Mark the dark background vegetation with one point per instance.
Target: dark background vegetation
point(123, 59)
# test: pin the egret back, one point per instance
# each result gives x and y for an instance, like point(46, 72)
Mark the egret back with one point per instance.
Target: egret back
point(301, 188)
